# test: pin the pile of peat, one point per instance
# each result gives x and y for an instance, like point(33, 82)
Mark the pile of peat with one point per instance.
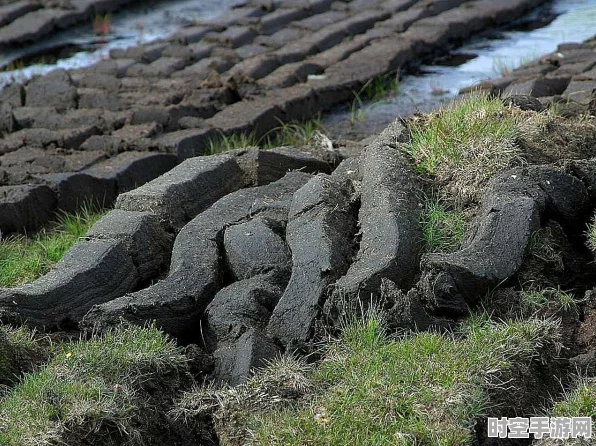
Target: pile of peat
point(252, 255)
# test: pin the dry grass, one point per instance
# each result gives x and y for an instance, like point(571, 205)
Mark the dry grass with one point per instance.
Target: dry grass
point(547, 137)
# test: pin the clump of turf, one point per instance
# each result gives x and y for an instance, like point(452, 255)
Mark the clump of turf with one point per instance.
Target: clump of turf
point(20, 351)
point(24, 259)
point(424, 388)
point(282, 382)
point(105, 389)
point(464, 144)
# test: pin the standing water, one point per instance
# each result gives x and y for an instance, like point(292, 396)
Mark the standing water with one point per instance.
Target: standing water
point(80, 47)
point(484, 58)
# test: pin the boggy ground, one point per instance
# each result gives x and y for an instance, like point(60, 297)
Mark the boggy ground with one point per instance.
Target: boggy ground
point(88, 135)
point(443, 275)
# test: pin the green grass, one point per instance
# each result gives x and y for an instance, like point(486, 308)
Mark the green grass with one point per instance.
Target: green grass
point(101, 24)
point(533, 300)
point(24, 259)
point(380, 87)
point(579, 402)
point(286, 134)
point(372, 93)
point(419, 389)
point(504, 66)
point(591, 234)
point(14, 65)
point(464, 144)
point(443, 227)
point(235, 141)
point(90, 385)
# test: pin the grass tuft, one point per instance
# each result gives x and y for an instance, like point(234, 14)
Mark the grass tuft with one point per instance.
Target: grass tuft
point(372, 93)
point(464, 144)
point(235, 141)
point(24, 259)
point(579, 402)
point(543, 245)
point(555, 299)
point(443, 227)
point(88, 386)
point(591, 234)
point(19, 347)
point(286, 134)
point(369, 331)
point(380, 87)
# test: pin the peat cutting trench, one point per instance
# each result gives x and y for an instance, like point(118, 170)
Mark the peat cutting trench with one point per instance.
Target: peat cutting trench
point(246, 255)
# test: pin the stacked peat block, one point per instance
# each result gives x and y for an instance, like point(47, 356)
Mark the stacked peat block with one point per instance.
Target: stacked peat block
point(23, 21)
point(93, 133)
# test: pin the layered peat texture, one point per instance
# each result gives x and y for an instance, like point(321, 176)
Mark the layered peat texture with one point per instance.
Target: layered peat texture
point(91, 134)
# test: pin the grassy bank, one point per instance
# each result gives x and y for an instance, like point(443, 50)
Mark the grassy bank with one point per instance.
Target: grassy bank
point(419, 389)
point(102, 388)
